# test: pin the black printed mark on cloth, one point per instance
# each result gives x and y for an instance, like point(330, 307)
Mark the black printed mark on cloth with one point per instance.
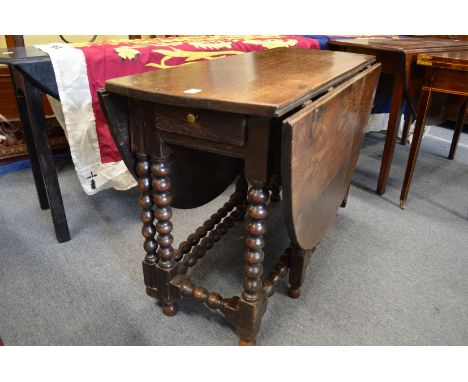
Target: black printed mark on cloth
point(92, 182)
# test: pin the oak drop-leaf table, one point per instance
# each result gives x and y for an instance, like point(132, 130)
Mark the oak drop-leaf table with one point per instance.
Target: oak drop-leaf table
point(289, 118)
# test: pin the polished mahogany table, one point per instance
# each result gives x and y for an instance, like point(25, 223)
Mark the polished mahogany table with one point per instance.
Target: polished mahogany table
point(289, 118)
point(445, 72)
point(398, 59)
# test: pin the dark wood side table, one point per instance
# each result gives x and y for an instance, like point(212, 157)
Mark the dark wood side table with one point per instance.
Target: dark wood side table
point(32, 75)
point(398, 58)
point(309, 106)
point(445, 72)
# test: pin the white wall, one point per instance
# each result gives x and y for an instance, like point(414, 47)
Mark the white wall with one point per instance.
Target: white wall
point(45, 39)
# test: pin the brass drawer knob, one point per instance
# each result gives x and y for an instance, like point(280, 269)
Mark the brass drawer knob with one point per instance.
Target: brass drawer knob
point(192, 118)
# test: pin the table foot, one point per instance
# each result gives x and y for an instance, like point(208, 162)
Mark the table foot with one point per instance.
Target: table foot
point(247, 316)
point(294, 292)
point(402, 204)
point(62, 233)
point(298, 261)
point(169, 310)
point(247, 343)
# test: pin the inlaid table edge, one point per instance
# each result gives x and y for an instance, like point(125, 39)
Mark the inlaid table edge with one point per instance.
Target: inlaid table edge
point(438, 61)
point(459, 45)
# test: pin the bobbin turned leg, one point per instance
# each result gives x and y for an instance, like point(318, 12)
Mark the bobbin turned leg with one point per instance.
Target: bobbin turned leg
point(166, 268)
point(147, 218)
point(298, 261)
point(252, 304)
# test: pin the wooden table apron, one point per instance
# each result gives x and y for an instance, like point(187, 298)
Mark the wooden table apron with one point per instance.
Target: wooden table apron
point(32, 76)
point(401, 64)
point(319, 142)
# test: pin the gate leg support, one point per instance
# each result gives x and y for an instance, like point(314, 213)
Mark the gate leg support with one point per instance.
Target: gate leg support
point(299, 260)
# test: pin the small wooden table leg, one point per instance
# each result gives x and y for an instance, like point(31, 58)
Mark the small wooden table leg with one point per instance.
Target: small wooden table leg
point(392, 131)
point(33, 155)
point(36, 121)
point(298, 261)
point(423, 108)
point(458, 129)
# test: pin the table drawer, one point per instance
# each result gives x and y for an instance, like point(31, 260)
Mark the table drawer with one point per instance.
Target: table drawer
point(215, 126)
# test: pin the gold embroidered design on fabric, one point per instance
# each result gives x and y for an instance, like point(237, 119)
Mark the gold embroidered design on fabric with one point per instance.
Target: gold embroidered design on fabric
point(202, 40)
point(210, 46)
point(127, 53)
point(189, 56)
